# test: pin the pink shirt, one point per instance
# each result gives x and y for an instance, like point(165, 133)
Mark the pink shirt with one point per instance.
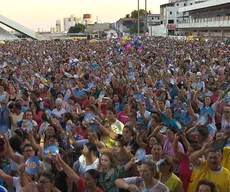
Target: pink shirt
point(123, 117)
point(168, 147)
point(185, 172)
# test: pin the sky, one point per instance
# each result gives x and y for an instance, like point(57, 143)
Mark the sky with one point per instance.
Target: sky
point(43, 14)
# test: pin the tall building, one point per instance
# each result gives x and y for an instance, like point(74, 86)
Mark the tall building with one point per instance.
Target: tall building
point(170, 15)
point(58, 26)
point(209, 18)
point(153, 20)
point(71, 21)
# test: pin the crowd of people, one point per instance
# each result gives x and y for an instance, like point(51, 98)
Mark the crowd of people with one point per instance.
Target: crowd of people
point(137, 114)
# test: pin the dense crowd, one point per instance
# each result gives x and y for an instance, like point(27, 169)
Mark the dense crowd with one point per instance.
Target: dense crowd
point(131, 114)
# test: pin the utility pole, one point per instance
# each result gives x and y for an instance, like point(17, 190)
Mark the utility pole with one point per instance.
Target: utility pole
point(138, 17)
point(146, 17)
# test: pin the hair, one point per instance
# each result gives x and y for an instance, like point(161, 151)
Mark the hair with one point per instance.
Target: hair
point(210, 99)
point(15, 143)
point(208, 183)
point(49, 176)
point(58, 101)
point(203, 131)
point(28, 110)
point(17, 106)
point(173, 129)
point(36, 93)
point(68, 116)
point(26, 145)
point(158, 144)
point(153, 168)
point(20, 133)
point(93, 173)
point(60, 93)
point(129, 128)
point(169, 161)
point(111, 158)
point(157, 138)
point(112, 109)
point(37, 105)
point(92, 148)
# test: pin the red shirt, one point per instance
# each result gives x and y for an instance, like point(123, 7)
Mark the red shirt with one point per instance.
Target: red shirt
point(82, 188)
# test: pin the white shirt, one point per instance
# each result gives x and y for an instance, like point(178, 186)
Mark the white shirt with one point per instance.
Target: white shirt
point(16, 184)
point(83, 167)
point(57, 113)
point(159, 187)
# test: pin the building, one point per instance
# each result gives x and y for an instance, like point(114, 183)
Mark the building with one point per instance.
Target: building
point(153, 20)
point(123, 25)
point(58, 26)
point(97, 28)
point(210, 18)
point(170, 15)
point(71, 21)
point(87, 19)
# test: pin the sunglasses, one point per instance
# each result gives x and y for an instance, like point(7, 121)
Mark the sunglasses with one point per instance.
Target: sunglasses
point(226, 111)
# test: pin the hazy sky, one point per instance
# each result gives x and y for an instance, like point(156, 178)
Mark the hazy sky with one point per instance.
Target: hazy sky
point(43, 13)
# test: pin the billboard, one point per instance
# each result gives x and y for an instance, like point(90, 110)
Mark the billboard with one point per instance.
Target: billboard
point(87, 16)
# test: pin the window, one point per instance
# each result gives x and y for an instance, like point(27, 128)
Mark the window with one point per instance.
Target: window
point(170, 21)
point(177, 12)
point(185, 4)
point(170, 12)
point(190, 3)
point(177, 4)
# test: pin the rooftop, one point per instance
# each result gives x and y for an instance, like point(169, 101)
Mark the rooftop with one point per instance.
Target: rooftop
point(203, 5)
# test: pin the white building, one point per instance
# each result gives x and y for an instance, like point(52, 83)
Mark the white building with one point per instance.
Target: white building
point(210, 18)
point(71, 21)
point(170, 15)
point(153, 20)
point(58, 26)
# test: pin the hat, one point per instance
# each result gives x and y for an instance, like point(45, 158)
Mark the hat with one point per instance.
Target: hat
point(198, 73)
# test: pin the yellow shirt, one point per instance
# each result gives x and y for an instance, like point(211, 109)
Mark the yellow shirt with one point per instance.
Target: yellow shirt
point(173, 182)
point(226, 158)
point(220, 178)
point(117, 127)
point(108, 141)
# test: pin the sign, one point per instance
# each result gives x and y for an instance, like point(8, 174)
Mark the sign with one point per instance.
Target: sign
point(171, 26)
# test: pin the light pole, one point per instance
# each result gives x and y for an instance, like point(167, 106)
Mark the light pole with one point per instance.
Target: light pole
point(146, 17)
point(138, 17)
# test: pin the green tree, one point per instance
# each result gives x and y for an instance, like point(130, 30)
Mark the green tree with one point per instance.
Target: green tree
point(127, 16)
point(78, 28)
point(134, 13)
point(134, 28)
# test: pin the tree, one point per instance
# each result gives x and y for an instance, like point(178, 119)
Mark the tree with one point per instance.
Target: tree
point(134, 13)
point(127, 16)
point(134, 28)
point(78, 28)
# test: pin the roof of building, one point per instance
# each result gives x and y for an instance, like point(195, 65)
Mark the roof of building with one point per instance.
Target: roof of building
point(203, 5)
point(127, 19)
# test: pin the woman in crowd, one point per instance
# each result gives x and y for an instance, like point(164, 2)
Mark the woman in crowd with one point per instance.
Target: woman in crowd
point(148, 180)
point(167, 176)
